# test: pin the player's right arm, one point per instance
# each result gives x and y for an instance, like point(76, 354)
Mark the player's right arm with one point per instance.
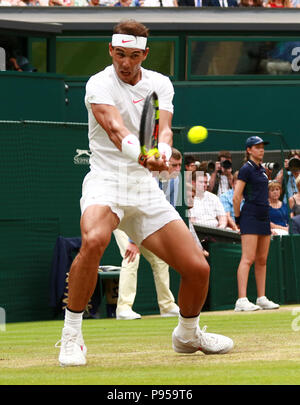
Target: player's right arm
point(110, 119)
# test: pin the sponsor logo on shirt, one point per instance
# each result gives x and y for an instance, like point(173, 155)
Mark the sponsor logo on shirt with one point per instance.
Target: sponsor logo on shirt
point(137, 101)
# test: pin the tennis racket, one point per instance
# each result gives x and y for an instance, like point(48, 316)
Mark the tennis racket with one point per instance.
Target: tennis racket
point(149, 127)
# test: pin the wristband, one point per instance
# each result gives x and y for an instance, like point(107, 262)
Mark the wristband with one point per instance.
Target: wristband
point(237, 220)
point(142, 159)
point(131, 147)
point(166, 149)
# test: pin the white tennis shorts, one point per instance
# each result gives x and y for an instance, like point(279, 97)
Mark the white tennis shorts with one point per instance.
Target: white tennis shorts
point(140, 205)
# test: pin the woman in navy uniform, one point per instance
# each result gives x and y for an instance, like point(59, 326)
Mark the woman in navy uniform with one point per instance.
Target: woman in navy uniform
point(254, 223)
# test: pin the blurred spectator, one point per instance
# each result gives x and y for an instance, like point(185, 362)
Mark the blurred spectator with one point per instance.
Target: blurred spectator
point(190, 163)
point(279, 4)
point(227, 201)
point(278, 210)
point(219, 3)
point(160, 3)
point(12, 3)
point(55, 3)
point(287, 176)
point(207, 208)
point(128, 3)
point(294, 201)
point(295, 225)
point(251, 3)
point(186, 3)
point(221, 178)
point(15, 60)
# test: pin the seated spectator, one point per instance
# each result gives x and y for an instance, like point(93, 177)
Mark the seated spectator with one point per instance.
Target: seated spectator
point(294, 201)
point(287, 177)
point(227, 201)
point(15, 60)
point(13, 3)
point(207, 208)
point(295, 225)
point(123, 3)
point(279, 4)
point(160, 3)
point(251, 3)
point(190, 163)
point(221, 178)
point(278, 210)
point(219, 3)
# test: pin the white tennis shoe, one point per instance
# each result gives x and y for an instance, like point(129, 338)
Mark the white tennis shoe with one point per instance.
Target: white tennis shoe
point(243, 304)
point(72, 348)
point(264, 303)
point(208, 343)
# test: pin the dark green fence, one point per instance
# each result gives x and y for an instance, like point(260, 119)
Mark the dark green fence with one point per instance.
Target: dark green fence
point(42, 168)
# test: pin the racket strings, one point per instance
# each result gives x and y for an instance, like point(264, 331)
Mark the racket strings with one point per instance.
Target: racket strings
point(149, 126)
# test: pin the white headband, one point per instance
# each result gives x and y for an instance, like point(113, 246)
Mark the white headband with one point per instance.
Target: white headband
point(129, 41)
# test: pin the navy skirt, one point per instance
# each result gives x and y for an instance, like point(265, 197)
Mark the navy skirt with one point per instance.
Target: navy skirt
point(255, 220)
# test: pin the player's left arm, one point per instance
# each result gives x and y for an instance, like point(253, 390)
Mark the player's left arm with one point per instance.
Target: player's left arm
point(165, 127)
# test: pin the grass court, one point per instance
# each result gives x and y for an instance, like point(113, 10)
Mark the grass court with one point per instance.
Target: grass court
point(266, 352)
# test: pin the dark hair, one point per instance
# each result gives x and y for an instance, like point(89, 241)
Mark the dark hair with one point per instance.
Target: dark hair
point(224, 153)
point(131, 27)
point(189, 159)
point(246, 157)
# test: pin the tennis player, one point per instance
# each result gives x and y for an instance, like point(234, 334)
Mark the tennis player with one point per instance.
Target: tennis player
point(120, 192)
point(254, 223)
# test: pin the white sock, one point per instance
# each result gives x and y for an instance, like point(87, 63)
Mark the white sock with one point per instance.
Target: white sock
point(187, 327)
point(73, 319)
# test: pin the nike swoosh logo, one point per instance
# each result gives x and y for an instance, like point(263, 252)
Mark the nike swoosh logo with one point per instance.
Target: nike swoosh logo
point(137, 101)
point(124, 41)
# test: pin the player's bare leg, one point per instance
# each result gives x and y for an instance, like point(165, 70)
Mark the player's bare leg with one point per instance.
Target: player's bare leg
point(174, 244)
point(97, 224)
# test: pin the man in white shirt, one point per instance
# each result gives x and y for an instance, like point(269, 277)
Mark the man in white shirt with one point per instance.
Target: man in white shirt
point(120, 192)
point(207, 209)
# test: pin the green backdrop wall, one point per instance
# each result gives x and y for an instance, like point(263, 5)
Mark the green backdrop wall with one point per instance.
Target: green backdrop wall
point(267, 105)
point(42, 167)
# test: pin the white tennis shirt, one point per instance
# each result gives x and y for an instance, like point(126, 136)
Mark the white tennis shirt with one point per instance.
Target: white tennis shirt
point(105, 87)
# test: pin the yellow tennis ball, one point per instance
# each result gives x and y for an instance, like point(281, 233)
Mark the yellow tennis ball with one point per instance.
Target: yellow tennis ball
point(197, 134)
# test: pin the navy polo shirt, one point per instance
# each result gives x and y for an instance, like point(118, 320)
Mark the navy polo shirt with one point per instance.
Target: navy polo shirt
point(256, 191)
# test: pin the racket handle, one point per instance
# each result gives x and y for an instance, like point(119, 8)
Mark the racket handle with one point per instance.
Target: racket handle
point(153, 152)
